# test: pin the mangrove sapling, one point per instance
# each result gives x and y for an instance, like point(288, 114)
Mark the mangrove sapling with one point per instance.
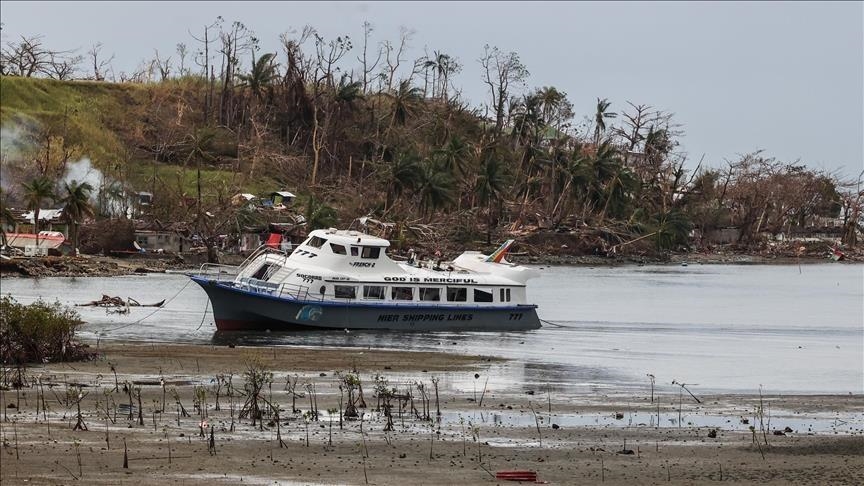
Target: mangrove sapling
point(680, 394)
point(77, 444)
point(291, 387)
point(651, 378)
point(313, 401)
point(114, 370)
point(475, 433)
point(437, 403)
point(537, 423)
point(140, 408)
point(485, 384)
point(75, 395)
point(125, 455)
point(341, 396)
point(331, 412)
point(256, 378)
point(162, 385)
point(200, 401)
point(211, 444)
point(127, 389)
point(307, 417)
point(431, 440)
point(351, 382)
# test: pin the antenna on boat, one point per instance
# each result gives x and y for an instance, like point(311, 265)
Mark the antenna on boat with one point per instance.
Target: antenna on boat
point(499, 254)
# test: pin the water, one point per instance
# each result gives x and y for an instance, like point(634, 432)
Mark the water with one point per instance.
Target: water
point(721, 328)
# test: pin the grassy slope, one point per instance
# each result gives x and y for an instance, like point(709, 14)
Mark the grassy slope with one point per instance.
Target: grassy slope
point(101, 118)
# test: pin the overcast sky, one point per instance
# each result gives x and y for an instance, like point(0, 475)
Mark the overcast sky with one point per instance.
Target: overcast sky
point(784, 77)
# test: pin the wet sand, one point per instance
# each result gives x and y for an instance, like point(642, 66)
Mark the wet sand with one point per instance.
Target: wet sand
point(480, 432)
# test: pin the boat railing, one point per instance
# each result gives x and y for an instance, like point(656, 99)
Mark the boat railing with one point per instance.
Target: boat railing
point(261, 250)
point(284, 290)
point(219, 271)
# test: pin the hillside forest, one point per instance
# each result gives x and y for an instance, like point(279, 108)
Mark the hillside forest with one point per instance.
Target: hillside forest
point(356, 128)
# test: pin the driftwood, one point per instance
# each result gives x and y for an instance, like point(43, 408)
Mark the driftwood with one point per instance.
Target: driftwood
point(108, 301)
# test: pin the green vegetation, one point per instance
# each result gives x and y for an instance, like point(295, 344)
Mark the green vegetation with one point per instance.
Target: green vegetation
point(37, 333)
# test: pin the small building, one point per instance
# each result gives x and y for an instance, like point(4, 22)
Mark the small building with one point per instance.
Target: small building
point(282, 199)
point(49, 220)
point(157, 236)
point(243, 199)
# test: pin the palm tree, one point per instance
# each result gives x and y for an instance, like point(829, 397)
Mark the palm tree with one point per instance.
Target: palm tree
point(600, 118)
point(35, 192)
point(261, 76)
point(490, 187)
point(454, 155)
point(400, 174)
point(436, 187)
point(671, 228)
point(319, 215)
point(405, 100)
point(76, 205)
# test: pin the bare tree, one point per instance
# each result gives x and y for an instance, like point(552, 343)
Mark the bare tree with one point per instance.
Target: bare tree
point(164, 66)
point(99, 65)
point(500, 71)
point(26, 58)
point(202, 59)
point(393, 55)
point(367, 68)
point(182, 52)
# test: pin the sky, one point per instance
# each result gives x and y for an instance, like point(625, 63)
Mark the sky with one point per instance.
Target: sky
point(786, 78)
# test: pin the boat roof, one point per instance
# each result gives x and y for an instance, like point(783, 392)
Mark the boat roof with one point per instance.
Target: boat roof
point(349, 237)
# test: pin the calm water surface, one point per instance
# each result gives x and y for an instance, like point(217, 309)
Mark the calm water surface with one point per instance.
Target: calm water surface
point(723, 328)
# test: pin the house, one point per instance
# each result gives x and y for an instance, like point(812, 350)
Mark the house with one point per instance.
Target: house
point(157, 236)
point(49, 220)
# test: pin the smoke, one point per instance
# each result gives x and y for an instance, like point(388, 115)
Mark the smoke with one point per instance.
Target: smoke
point(11, 142)
point(83, 171)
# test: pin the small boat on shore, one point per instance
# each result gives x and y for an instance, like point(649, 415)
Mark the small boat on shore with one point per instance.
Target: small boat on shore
point(339, 279)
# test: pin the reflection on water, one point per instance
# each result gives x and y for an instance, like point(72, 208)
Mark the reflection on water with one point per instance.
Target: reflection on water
point(725, 327)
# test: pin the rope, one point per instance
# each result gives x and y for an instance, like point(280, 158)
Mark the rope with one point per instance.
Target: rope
point(139, 321)
point(555, 324)
point(206, 304)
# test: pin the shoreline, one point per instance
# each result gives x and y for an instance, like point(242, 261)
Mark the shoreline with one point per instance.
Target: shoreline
point(99, 266)
point(563, 439)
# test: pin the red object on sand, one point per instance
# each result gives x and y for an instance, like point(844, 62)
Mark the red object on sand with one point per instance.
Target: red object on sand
point(526, 476)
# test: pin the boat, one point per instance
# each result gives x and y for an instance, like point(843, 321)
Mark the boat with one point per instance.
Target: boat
point(346, 280)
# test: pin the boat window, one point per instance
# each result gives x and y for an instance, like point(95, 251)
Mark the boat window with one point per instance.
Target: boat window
point(457, 294)
point(316, 242)
point(354, 251)
point(338, 249)
point(508, 295)
point(402, 293)
point(482, 296)
point(373, 292)
point(501, 295)
point(430, 293)
point(345, 291)
point(370, 252)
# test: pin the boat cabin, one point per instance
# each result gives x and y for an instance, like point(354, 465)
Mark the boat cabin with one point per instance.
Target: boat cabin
point(348, 266)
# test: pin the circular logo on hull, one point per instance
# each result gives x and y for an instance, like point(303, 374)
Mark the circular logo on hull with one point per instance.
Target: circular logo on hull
point(309, 313)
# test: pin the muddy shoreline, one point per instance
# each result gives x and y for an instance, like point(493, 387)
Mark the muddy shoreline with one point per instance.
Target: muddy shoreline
point(99, 266)
point(480, 431)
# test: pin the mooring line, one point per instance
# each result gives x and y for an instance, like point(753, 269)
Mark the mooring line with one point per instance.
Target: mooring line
point(555, 324)
point(139, 321)
point(206, 305)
